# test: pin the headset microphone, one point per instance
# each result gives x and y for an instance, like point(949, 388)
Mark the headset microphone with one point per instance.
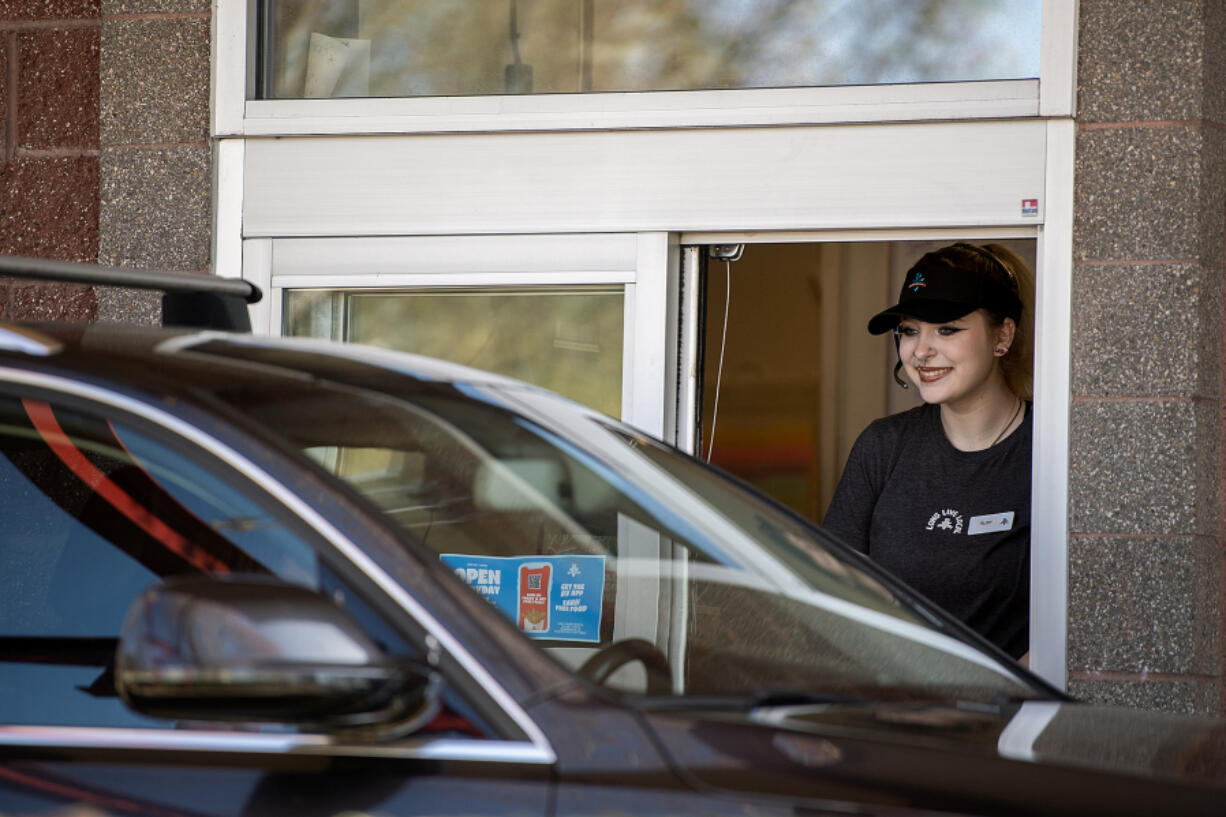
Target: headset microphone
point(898, 365)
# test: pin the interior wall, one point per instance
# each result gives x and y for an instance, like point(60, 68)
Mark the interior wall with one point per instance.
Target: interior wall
point(858, 366)
point(766, 424)
point(800, 377)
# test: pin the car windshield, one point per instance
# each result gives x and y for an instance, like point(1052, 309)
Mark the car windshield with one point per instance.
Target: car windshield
point(601, 543)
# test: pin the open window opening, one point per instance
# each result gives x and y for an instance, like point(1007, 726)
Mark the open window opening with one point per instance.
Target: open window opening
point(792, 376)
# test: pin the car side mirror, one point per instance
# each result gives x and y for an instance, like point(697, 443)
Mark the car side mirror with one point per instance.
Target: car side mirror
point(257, 649)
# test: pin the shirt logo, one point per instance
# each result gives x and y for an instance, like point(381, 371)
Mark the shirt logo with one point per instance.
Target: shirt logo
point(917, 282)
point(947, 520)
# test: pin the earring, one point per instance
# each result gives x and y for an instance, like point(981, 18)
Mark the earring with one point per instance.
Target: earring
point(1001, 352)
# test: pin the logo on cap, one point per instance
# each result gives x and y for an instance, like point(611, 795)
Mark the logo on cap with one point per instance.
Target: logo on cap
point(917, 282)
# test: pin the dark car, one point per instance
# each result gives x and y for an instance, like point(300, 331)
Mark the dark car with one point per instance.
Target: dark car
point(242, 576)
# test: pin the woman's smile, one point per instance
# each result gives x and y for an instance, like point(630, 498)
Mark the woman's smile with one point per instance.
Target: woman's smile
point(931, 374)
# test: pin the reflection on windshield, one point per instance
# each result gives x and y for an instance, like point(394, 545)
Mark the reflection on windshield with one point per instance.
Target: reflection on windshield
point(96, 512)
point(585, 534)
point(99, 507)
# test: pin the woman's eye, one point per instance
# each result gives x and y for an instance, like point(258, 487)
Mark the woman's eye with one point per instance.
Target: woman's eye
point(907, 331)
point(949, 330)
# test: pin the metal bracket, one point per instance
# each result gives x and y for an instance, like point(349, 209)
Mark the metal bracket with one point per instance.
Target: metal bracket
point(726, 252)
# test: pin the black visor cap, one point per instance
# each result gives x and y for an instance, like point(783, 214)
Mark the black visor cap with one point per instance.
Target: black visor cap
point(936, 292)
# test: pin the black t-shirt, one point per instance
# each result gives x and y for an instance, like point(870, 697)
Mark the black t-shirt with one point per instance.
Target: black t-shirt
point(954, 525)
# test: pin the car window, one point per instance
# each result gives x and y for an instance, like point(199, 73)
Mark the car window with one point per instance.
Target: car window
point(96, 508)
point(587, 536)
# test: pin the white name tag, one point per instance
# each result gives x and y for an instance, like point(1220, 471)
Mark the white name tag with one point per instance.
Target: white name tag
point(992, 523)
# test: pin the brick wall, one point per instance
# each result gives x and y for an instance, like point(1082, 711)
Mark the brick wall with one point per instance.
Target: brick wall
point(49, 148)
point(104, 150)
point(1146, 476)
point(156, 166)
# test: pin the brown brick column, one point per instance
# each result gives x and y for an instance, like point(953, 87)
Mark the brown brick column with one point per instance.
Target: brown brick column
point(49, 149)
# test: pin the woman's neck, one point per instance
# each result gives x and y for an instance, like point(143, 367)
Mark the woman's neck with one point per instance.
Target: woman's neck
point(979, 423)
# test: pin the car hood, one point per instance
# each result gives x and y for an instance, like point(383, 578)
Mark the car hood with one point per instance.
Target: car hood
point(1037, 757)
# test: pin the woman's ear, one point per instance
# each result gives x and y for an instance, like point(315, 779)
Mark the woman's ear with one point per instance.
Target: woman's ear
point(1005, 333)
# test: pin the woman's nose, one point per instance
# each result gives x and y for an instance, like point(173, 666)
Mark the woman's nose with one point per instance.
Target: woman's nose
point(923, 346)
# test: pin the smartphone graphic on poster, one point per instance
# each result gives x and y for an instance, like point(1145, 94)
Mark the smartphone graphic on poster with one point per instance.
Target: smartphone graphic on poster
point(534, 590)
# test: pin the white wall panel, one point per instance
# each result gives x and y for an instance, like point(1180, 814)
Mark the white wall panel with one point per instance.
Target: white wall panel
point(830, 177)
point(340, 259)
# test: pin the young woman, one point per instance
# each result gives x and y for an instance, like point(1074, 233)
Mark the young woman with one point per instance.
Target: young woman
point(940, 495)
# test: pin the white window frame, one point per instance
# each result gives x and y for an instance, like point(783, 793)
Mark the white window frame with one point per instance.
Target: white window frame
point(655, 109)
point(234, 114)
point(638, 263)
point(235, 119)
point(1053, 300)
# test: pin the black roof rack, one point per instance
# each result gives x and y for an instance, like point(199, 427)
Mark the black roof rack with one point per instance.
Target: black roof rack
point(188, 299)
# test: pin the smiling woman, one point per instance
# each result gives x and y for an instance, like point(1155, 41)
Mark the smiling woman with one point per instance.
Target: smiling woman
point(918, 485)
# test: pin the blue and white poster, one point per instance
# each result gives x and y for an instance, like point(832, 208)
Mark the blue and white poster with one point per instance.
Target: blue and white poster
point(555, 597)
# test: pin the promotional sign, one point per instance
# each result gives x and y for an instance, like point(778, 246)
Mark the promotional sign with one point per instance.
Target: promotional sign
point(554, 597)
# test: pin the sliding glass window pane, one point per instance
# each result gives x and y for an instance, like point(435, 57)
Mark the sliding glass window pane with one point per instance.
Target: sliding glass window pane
point(567, 340)
point(391, 48)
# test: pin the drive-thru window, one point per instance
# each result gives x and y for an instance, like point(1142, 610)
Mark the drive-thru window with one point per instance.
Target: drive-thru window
point(541, 197)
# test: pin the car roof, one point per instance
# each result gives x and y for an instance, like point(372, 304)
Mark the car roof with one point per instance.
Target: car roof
point(147, 356)
point(209, 325)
